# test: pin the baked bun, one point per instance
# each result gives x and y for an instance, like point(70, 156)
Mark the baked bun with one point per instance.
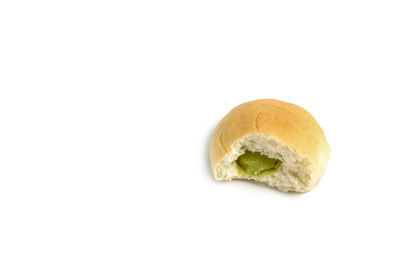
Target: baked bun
point(270, 141)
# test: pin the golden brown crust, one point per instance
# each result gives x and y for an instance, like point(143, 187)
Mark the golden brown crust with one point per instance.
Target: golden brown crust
point(289, 123)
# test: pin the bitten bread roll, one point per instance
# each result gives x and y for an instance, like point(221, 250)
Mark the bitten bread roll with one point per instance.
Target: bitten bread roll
point(270, 141)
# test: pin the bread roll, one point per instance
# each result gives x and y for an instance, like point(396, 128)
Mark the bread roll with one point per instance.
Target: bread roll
point(270, 141)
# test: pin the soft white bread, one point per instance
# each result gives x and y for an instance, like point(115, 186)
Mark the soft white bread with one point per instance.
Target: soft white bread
point(278, 130)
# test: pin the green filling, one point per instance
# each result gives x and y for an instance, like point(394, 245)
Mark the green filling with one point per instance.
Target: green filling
point(255, 164)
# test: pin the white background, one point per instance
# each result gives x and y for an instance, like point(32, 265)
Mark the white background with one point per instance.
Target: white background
point(106, 111)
